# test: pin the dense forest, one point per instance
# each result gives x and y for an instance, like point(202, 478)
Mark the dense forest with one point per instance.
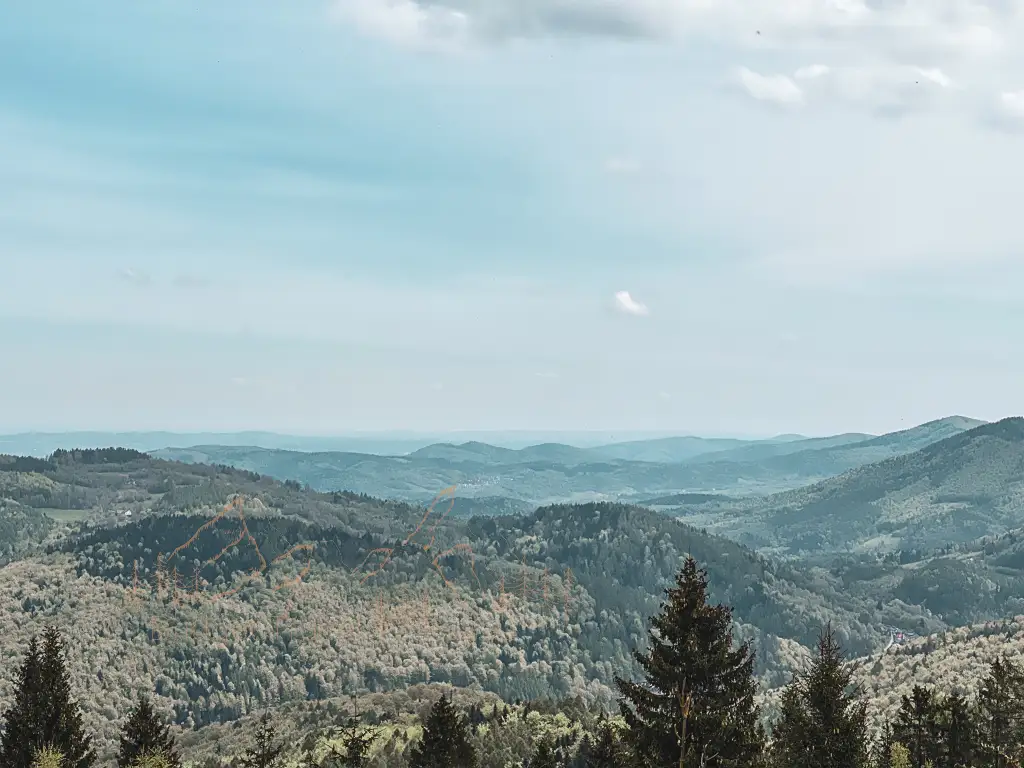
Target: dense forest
point(694, 704)
point(220, 595)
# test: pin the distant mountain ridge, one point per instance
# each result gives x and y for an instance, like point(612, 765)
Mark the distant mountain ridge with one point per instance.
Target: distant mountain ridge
point(553, 473)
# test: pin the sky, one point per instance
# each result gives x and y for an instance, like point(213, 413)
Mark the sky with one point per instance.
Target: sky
point(326, 216)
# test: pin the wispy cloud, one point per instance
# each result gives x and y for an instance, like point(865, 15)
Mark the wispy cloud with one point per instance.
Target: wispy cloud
point(779, 90)
point(630, 306)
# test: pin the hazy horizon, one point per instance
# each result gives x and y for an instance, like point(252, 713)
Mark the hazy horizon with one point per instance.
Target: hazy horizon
point(382, 442)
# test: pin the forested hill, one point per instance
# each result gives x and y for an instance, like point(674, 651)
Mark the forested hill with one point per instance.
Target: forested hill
point(227, 591)
point(954, 491)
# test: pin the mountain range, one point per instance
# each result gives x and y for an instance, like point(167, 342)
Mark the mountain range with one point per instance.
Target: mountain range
point(553, 472)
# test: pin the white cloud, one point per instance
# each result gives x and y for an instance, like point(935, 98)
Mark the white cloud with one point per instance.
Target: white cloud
point(626, 303)
point(889, 90)
point(774, 89)
point(811, 72)
point(406, 22)
point(868, 48)
point(1011, 106)
point(953, 27)
point(546, 375)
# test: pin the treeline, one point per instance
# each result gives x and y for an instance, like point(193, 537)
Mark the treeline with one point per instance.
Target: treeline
point(694, 706)
point(97, 456)
point(74, 456)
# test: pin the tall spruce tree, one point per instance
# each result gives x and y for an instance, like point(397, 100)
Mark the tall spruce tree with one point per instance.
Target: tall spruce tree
point(696, 705)
point(917, 726)
point(357, 740)
point(62, 726)
point(1001, 714)
point(22, 736)
point(445, 742)
point(266, 752)
point(881, 752)
point(44, 715)
point(960, 733)
point(145, 733)
point(823, 724)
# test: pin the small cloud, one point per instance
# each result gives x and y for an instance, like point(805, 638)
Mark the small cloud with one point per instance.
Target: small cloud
point(437, 386)
point(626, 303)
point(1011, 104)
point(621, 165)
point(240, 381)
point(779, 90)
point(546, 375)
point(664, 395)
point(406, 23)
point(887, 91)
point(936, 76)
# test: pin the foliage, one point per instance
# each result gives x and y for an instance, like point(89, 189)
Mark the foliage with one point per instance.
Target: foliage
point(43, 715)
point(266, 752)
point(823, 723)
point(48, 757)
point(697, 699)
point(445, 742)
point(146, 735)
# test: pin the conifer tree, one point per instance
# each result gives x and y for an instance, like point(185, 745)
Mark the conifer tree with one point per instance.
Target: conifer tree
point(1001, 714)
point(544, 756)
point(61, 720)
point(823, 725)
point(696, 704)
point(603, 752)
point(445, 742)
point(356, 741)
point(144, 733)
point(882, 749)
point(960, 733)
point(43, 714)
point(266, 752)
point(22, 736)
point(918, 728)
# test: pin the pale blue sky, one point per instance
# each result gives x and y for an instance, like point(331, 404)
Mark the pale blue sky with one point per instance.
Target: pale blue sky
point(319, 217)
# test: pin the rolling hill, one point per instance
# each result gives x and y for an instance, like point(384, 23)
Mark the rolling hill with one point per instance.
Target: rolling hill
point(552, 473)
point(952, 491)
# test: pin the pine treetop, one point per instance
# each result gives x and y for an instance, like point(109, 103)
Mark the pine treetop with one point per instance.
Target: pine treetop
point(445, 742)
point(823, 724)
point(266, 752)
point(698, 695)
point(145, 734)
